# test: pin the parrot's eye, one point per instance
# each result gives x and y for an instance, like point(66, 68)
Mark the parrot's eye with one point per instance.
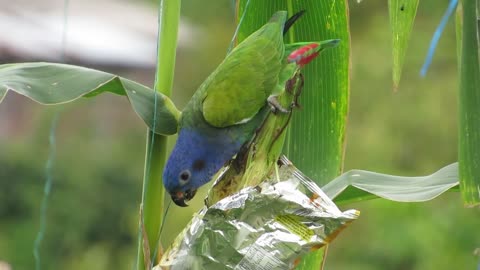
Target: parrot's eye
point(184, 177)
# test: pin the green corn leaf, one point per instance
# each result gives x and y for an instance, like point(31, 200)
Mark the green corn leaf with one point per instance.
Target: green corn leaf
point(51, 83)
point(402, 15)
point(469, 97)
point(316, 132)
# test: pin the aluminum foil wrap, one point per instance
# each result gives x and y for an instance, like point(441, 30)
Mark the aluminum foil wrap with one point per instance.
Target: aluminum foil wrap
point(266, 227)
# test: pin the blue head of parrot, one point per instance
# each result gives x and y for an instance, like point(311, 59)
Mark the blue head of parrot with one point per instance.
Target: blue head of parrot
point(193, 162)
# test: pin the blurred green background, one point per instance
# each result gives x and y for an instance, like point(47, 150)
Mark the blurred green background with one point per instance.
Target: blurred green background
point(93, 210)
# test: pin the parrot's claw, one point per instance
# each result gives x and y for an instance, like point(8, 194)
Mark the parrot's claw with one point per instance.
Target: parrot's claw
point(275, 105)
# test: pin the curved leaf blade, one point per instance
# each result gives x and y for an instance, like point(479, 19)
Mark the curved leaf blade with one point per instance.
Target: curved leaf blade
point(51, 83)
point(358, 185)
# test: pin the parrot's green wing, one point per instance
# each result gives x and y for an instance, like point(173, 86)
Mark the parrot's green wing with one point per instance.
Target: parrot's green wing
point(240, 86)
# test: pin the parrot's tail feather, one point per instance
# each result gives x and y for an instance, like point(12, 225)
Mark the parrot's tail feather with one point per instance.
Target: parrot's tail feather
point(292, 20)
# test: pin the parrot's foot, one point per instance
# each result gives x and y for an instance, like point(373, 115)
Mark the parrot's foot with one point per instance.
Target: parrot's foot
point(276, 106)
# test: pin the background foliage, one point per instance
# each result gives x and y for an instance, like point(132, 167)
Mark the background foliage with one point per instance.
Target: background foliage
point(92, 219)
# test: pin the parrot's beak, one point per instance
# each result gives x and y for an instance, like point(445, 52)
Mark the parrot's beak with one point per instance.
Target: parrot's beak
point(179, 200)
point(180, 197)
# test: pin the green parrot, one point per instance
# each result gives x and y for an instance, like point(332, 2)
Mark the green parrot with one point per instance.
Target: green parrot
point(231, 104)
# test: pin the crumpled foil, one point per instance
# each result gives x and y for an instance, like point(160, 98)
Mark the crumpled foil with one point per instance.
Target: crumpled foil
point(270, 226)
